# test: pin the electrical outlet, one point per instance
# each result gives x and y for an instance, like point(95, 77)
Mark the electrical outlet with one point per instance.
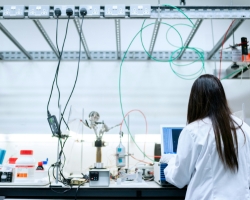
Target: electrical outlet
point(92, 10)
point(13, 11)
point(36, 11)
point(115, 10)
point(140, 10)
point(63, 9)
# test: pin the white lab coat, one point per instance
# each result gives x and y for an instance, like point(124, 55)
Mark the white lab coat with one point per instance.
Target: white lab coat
point(198, 165)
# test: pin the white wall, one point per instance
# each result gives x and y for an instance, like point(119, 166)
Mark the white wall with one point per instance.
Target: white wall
point(148, 86)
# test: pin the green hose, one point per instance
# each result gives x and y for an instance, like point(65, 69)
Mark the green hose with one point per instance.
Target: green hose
point(174, 56)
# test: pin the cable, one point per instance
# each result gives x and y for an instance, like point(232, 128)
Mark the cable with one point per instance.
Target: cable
point(60, 57)
point(58, 164)
point(54, 177)
point(172, 58)
point(57, 69)
point(57, 37)
point(178, 51)
point(78, 189)
point(235, 72)
point(145, 123)
point(79, 58)
point(140, 160)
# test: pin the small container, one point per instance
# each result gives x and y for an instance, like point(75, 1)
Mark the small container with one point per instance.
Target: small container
point(2, 154)
point(120, 156)
point(25, 167)
point(45, 164)
point(40, 171)
point(40, 166)
point(12, 161)
point(118, 181)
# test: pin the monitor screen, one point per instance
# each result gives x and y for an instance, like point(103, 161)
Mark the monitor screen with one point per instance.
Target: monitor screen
point(170, 136)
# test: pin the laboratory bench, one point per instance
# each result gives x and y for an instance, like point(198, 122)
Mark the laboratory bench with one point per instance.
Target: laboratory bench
point(148, 190)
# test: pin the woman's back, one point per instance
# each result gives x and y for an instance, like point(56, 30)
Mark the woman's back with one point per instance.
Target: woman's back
point(197, 164)
point(213, 155)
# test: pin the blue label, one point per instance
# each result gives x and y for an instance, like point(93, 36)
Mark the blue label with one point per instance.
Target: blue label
point(119, 149)
point(120, 160)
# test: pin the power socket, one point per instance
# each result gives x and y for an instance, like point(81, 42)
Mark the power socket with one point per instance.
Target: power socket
point(63, 9)
point(92, 10)
point(140, 10)
point(39, 12)
point(13, 11)
point(115, 10)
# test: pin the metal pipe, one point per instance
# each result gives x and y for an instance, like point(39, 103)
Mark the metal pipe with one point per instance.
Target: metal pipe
point(118, 37)
point(83, 40)
point(82, 141)
point(154, 36)
point(190, 37)
point(8, 34)
point(128, 143)
point(224, 38)
point(46, 36)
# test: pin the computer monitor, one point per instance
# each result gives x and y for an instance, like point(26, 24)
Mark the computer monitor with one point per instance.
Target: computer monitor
point(169, 138)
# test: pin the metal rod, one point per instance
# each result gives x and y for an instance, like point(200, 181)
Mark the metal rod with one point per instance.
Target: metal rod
point(8, 34)
point(58, 151)
point(212, 29)
point(128, 143)
point(118, 37)
point(190, 37)
point(82, 141)
point(233, 28)
point(83, 40)
point(154, 36)
point(46, 36)
point(139, 56)
point(58, 160)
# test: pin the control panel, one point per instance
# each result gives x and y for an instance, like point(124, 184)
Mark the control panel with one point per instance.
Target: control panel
point(94, 176)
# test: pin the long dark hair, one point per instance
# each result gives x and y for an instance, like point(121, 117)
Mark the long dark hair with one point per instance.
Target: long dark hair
point(208, 99)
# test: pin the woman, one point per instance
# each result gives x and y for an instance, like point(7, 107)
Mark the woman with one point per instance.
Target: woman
point(213, 155)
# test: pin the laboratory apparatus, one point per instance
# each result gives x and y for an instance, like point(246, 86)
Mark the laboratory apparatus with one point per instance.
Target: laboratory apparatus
point(124, 176)
point(147, 170)
point(99, 178)
point(120, 153)
point(25, 167)
point(240, 58)
point(169, 141)
point(99, 143)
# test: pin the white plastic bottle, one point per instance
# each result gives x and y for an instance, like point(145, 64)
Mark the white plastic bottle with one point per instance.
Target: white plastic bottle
point(25, 167)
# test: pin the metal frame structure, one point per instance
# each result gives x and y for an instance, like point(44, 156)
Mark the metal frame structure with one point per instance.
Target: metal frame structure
point(110, 56)
point(168, 12)
point(46, 37)
point(239, 13)
point(191, 36)
point(236, 24)
point(10, 36)
point(154, 36)
point(83, 40)
point(118, 38)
